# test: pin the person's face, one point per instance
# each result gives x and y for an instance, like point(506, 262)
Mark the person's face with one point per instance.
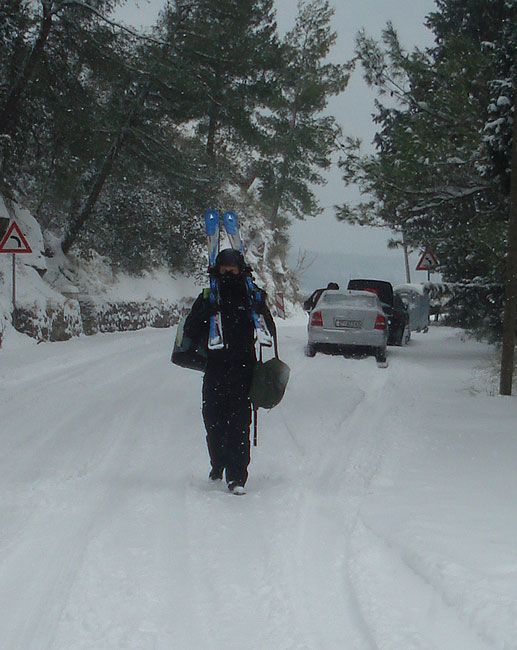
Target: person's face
point(225, 269)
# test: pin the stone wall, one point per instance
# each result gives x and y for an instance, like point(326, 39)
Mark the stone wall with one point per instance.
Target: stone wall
point(83, 316)
point(124, 316)
point(55, 323)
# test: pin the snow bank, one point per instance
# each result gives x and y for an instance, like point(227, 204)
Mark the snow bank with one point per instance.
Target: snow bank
point(60, 296)
point(39, 309)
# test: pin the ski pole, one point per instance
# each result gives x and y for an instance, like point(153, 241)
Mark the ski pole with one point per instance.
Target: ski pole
point(255, 409)
point(255, 426)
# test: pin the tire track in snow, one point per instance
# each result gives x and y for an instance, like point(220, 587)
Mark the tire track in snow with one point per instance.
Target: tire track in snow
point(329, 512)
point(62, 499)
point(67, 496)
point(247, 568)
point(382, 578)
point(313, 542)
point(141, 556)
point(379, 569)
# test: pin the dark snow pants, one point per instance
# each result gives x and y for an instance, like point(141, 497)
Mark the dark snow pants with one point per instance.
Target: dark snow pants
point(227, 418)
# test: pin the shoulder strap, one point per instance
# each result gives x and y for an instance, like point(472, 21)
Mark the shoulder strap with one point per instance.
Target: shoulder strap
point(275, 343)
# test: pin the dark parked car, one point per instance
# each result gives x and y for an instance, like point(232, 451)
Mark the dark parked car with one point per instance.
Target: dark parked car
point(399, 331)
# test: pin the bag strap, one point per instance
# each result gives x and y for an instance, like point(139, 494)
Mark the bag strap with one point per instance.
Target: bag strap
point(275, 345)
point(255, 411)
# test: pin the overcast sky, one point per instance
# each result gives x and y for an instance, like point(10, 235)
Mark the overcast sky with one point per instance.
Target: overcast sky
point(341, 251)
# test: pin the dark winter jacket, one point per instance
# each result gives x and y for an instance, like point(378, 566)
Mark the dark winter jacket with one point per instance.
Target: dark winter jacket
point(311, 301)
point(237, 324)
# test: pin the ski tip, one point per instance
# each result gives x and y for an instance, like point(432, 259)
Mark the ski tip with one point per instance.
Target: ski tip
point(230, 222)
point(211, 216)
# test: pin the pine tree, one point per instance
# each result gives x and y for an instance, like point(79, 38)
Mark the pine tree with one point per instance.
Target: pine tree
point(15, 22)
point(433, 174)
point(48, 61)
point(300, 138)
point(230, 49)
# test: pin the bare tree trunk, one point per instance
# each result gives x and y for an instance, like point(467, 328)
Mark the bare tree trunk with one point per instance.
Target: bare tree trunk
point(86, 208)
point(510, 302)
point(280, 190)
point(406, 259)
point(285, 163)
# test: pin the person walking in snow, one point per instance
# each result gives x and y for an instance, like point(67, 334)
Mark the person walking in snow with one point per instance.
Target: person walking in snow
point(226, 404)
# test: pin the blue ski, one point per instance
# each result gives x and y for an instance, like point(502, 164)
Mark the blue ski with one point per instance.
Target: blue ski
point(215, 333)
point(231, 226)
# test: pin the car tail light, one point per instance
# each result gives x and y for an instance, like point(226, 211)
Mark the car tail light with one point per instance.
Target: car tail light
point(380, 322)
point(316, 319)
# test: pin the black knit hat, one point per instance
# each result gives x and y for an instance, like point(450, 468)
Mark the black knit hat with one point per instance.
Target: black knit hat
point(230, 257)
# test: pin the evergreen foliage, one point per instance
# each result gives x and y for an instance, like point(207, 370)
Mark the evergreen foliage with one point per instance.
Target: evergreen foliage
point(441, 170)
point(119, 140)
point(230, 49)
point(299, 138)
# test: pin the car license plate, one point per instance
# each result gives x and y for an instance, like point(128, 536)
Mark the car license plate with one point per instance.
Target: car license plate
point(350, 324)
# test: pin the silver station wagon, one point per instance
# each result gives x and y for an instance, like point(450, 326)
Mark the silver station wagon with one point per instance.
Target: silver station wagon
point(348, 319)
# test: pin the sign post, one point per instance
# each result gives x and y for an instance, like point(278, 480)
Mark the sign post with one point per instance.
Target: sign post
point(14, 242)
point(427, 262)
point(279, 304)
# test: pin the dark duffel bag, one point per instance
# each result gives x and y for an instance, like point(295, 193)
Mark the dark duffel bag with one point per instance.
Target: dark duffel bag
point(269, 381)
point(187, 354)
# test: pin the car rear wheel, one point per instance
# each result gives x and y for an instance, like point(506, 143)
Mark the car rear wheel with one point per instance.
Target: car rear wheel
point(380, 355)
point(406, 337)
point(310, 350)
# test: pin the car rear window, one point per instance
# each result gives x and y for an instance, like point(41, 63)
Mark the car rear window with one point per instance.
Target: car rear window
point(382, 288)
point(351, 300)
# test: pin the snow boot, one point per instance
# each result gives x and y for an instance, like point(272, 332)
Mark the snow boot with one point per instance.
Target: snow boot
point(216, 474)
point(236, 488)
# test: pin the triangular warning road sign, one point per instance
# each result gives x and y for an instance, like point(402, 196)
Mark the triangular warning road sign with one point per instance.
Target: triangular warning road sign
point(427, 262)
point(14, 241)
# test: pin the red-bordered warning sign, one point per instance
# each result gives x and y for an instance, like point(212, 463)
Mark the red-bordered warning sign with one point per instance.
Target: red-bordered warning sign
point(14, 241)
point(427, 262)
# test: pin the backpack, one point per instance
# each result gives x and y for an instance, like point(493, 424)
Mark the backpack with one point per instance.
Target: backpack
point(187, 354)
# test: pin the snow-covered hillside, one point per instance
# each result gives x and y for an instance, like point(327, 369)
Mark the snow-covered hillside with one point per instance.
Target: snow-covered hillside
point(60, 296)
point(53, 288)
point(380, 512)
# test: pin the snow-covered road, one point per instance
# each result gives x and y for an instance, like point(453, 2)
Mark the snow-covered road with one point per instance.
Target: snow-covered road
point(379, 515)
